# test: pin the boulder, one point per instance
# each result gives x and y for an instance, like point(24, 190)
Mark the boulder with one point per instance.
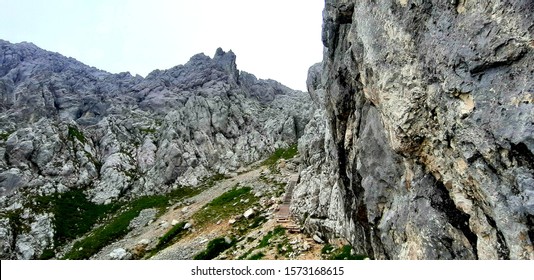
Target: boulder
point(119, 254)
point(317, 239)
point(249, 213)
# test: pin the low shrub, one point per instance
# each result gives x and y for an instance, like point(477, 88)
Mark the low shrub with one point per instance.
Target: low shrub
point(214, 248)
point(174, 233)
point(257, 256)
point(75, 133)
point(118, 225)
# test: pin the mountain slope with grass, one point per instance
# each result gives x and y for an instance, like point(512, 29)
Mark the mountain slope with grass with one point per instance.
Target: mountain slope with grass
point(231, 219)
point(104, 147)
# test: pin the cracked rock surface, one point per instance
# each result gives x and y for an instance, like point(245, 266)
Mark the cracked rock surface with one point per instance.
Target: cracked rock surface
point(426, 140)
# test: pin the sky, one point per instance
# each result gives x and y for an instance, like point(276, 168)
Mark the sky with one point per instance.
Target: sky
point(273, 39)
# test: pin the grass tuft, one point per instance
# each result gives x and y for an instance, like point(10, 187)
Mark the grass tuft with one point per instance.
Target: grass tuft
point(174, 233)
point(280, 153)
point(327, 249)
point(344, 253)
point(75, 133)
point(4, 135)
point(275, 232)
point(232, 202)
point(214, 248)
point(257, 256)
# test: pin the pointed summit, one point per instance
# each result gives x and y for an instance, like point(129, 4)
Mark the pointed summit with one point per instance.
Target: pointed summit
point(226, 60)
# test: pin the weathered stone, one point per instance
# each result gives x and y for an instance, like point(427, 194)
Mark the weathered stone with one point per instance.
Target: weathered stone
point(119, 254)
point(425, 146)
point(6, 239)
point(144, 218)
point(249, 213)
point(317, 239)
point(143, 242)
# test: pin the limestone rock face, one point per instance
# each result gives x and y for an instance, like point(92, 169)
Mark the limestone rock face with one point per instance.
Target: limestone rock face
point(65, 125)
point(428, 146)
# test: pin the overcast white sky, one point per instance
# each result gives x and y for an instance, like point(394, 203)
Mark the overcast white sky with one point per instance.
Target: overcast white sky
point(277, 39)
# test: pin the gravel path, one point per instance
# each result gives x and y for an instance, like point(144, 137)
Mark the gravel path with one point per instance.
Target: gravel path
point(188, 247)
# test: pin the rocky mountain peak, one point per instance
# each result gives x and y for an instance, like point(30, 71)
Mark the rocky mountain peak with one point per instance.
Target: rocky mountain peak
point(226, 60)
point(67, 126)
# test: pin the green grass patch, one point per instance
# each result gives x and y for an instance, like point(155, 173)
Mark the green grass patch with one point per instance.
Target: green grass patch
point(47, 254)
point(74, 214)
point(214, 248)
point(257, 256)
point(232, 202)
point(230, 196)
point(244, 256)
point(117, 226)
point(284, 248)
point(344, 253)
point(210, 182)
point(243, 226)
point(275, 232)
point(280, 153)
point(17, 224)
point(327, 249)
point(257, 221)
point(4, 135)
point(75, 133)
point(174, 233)
point(115, 229)
point(148, 130)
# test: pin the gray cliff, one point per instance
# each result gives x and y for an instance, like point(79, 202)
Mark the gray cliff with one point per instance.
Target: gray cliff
point(425, 146)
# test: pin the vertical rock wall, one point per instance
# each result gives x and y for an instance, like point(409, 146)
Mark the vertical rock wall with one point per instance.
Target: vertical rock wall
point(428, 143)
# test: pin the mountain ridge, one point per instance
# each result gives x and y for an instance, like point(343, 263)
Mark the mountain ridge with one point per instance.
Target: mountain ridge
point(66, 126)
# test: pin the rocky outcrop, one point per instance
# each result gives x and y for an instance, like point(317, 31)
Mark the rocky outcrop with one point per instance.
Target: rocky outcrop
point(429, 138)
point(64, 125)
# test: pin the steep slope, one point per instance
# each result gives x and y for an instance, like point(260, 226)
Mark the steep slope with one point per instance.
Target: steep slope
point(66, 126)
point(428, 143)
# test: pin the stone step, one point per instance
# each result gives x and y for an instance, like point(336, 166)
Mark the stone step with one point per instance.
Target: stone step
point(292, 227)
